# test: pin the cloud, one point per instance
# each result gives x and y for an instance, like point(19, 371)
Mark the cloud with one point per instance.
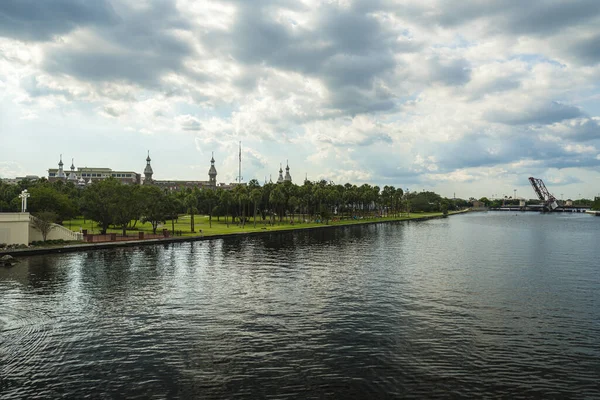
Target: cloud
point(430, 92)
point(113, 110)
point(346, 49)
point(141, 47)
point(10, 169)
point(544, 114)
point(35, 20)
point(449, 72)
point(189, 123)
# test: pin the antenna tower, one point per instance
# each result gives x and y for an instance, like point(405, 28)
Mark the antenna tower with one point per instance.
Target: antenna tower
point(240, 165)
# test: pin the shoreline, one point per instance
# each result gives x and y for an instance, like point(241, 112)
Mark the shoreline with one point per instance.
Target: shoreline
point(148, 242)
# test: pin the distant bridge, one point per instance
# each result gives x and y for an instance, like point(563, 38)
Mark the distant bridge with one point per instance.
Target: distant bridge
point(543, 208)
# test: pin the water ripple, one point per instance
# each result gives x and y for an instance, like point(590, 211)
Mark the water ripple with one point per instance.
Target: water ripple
point(482, 305)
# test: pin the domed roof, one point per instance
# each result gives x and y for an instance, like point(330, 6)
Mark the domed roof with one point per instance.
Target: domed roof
point(148, 169)
point(212, 171)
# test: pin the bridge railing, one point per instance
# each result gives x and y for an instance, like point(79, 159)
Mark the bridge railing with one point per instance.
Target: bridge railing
point(60, 231)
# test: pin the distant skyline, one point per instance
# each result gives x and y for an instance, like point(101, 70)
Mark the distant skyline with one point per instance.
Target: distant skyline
point(468, 97)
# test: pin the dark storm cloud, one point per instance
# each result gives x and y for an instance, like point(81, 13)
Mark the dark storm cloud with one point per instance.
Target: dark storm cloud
point(41, 20)
point(545, 114)
point(142, 48)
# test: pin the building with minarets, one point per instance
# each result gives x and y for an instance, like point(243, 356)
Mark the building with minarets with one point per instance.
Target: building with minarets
point(148, 171)
point(288, 177)
point(211, 183)
point(280, 177)
point(90, 175)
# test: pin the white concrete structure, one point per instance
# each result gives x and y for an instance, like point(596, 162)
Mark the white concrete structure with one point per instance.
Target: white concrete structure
point(16, 228)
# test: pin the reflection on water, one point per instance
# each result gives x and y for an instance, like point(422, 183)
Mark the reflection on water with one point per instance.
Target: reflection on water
point(476, 305)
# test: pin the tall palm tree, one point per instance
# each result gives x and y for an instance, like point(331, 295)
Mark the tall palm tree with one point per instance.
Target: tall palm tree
point(293, 203)
point(210, 197)
point(256, 196)
point(191, 202)
point(277, 198)
point(226, 199)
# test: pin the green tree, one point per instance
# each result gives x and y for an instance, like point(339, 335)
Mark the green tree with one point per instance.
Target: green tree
point(226, 199)
point(277, 199)
point(125, 206)
point(293, 203)
point(240, 193)
point(210, 197)
point(191, 203)
point(155, 206)
point(44, 222)
point(255, 196)
point(173, 205)
point(98, 202)
point(44, 197)
point(253, 184)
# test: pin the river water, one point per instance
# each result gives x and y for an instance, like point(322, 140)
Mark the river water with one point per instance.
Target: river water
point(477, 305)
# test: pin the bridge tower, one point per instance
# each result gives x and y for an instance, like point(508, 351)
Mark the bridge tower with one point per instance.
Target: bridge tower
point(543, 194)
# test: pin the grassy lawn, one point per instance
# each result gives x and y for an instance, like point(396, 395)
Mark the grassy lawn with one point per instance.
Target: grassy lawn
point(220, 227)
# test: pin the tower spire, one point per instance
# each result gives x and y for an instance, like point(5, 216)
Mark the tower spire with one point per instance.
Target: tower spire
point(148, 171)
point(212, 172)
point(61, 172)
point(288, 177)
point(72, 176)
point(280, 177)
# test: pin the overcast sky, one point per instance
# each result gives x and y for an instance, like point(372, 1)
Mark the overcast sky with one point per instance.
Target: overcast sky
point(468, 97)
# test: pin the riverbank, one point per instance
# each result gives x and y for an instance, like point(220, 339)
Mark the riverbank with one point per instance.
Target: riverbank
point(181, 239)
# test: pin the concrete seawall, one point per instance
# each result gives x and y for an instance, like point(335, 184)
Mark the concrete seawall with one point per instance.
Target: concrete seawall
point(133, 243)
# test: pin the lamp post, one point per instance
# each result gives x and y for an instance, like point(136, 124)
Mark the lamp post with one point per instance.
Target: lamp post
point(24, 196)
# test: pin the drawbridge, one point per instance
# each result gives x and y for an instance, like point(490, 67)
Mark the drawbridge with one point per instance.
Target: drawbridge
point(548, 200)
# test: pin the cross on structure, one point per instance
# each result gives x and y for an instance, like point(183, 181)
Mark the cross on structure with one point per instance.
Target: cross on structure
point(24, 196)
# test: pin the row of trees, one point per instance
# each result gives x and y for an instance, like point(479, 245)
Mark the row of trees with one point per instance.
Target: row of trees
point(111, 203)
